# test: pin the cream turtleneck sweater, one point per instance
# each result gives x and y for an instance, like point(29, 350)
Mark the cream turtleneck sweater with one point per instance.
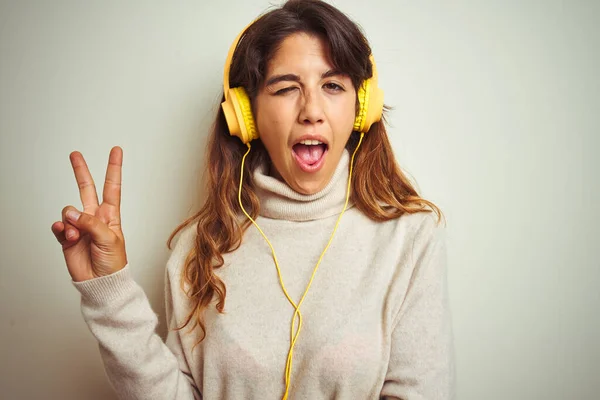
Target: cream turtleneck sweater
point(376, 320)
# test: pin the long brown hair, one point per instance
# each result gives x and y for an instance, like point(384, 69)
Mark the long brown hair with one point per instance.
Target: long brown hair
point(379, 188)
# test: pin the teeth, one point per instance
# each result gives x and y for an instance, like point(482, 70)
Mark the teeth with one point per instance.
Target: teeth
point(311, 142)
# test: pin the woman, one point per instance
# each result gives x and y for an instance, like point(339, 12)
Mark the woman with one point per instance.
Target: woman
point(243, 323)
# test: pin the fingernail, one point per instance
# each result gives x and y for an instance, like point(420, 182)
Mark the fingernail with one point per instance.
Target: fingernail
point(70, 234)
point(73, 215)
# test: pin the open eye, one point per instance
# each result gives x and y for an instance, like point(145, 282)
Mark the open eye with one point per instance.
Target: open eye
point(333, 87)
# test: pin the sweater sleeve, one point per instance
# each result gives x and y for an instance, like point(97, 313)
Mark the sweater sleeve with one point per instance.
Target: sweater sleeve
point(421, 365)
point(137, 362)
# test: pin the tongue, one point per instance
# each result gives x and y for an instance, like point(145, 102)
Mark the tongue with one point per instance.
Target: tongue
point(309, 154)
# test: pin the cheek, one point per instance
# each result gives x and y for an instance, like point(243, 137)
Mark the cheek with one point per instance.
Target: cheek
point(274, 117)
point(344, 115)
point(272, 122)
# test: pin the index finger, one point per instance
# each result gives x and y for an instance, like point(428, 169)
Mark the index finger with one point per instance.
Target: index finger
point(87, 188)
point(112, 183)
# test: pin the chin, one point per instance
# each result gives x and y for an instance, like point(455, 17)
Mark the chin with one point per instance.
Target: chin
point(309, 185)
point(308, 189)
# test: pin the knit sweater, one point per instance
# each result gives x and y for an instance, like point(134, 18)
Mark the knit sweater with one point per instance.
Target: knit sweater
point(376, 320)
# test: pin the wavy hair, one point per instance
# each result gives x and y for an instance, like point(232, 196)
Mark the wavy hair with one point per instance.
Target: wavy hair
point(379, 188)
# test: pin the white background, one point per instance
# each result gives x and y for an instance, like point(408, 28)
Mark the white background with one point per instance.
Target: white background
point(496, 116)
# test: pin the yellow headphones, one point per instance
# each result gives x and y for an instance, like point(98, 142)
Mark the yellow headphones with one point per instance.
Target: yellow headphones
point(238, 111)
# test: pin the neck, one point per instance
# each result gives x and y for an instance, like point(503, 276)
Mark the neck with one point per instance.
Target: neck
point(279, 201)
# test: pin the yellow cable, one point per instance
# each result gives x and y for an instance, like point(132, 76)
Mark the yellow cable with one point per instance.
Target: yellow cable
point(260, 230)
point(293, 338)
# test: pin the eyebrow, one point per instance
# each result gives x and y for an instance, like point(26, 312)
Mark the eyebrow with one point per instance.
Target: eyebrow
point(295, 78)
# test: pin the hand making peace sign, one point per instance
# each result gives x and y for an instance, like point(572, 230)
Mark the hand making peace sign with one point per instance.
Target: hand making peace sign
point(92, 241)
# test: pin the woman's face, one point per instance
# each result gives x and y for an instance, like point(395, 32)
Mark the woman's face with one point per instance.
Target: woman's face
point(304, 112)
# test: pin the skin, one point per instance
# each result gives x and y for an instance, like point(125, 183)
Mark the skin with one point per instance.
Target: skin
point(314, 104)
point(93, 243)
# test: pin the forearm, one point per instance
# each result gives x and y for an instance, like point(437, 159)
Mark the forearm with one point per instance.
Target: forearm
point(139, 365)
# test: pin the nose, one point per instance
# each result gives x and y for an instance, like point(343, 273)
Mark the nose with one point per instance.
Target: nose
point(311, 111)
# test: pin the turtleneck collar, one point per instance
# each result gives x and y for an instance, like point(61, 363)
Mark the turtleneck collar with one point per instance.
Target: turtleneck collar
point(279, 201)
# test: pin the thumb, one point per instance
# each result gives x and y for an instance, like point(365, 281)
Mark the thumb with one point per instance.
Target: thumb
point(97, 229)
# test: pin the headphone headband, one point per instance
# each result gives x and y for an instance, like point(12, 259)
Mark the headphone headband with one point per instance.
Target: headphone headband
point(230, 57)
point(233, 46)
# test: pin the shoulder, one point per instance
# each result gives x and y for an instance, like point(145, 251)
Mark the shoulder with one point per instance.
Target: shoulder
point(422, 230)
point(424, 224)
point(182, 245)
point(427, 237)
point(418, 225)
point(403, 234)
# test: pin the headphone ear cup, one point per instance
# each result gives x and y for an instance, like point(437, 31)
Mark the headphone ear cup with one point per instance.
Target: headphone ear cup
point(363, 103)
point(238, 114)
point(370, 110)
point(375, 107)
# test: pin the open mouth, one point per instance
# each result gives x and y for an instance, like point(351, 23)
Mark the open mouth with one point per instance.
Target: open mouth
point(310, 154)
